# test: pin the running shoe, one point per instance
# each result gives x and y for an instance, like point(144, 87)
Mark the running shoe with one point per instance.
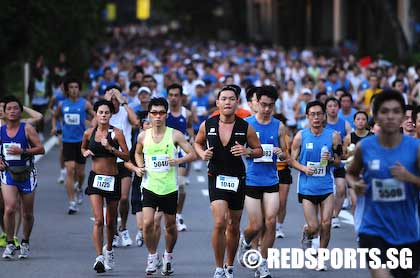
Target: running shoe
point(72, 208)
point(279, 233)
point(16, 242)
point(263, 270)
point(3, 240)
point(9, 252)
point(125, 238)
point(167, 268)
point(62, 176)
point(109, 260)
point(24, 250)
point(306, 240)
point(153, 264)
point(219, 273)
point(139, 238)
point(99, 264)
point(116, 242)
point(243, 247)
point(335, 222)
point(180, 225)
point(228, 271)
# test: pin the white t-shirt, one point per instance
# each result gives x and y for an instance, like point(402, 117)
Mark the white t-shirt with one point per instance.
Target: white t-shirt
point(120, 120)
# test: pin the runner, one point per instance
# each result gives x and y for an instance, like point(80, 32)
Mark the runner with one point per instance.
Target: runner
point(261, 191)
point(221, 141)
point(361, 131)
point(386, 212)
point(156, 155)
point(123, 118)
point(315, 184)
point(73, 112)
point(19, 143)
point(343, 128)
point(407, 124)
point(104, 143)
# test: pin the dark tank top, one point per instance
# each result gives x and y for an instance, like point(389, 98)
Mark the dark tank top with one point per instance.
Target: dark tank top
point(97, 148)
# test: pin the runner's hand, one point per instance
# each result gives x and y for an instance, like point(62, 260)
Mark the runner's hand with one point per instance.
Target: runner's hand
point(208, 154)
point(399, 172)
point(359, 187)
point(309, 171)
point(108, 95)
point(173, 162)
point(88, 153)
point(279, 152)
point(14, 150)
point(2, 165)
point(238, 149)
point(105, 144)
point(140, 171)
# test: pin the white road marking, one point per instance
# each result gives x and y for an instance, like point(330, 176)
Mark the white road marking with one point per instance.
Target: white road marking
point(201, 179)
point(48, 146)
point(205, 192)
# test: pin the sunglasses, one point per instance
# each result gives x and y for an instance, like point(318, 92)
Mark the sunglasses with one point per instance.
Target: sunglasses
point(155, 113)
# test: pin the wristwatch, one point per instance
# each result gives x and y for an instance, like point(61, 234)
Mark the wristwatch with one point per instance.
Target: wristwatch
point(251, 152)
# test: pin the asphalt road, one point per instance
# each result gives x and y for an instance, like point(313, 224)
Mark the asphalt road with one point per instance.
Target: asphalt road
point(61, 244)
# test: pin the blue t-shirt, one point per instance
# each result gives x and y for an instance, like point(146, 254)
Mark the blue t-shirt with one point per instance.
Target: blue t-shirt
point(268, 135)
point(349, 118)
point(74, 116)
point(321, 182)
point(388, 209)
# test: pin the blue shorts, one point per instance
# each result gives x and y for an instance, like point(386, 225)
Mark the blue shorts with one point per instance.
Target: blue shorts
point(25, 187)
point(181, 154)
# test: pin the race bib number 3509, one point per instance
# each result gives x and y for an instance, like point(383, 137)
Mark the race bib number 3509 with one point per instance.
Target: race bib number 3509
point(388, 190)
point(105, 183)
point(227, 183)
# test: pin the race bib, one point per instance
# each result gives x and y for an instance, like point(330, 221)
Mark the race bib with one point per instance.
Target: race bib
point(319, 170)
point(6, 147)
point(227, 183)
point(267, 153)
point(72, 119)
point(159, 163)
point(105, 183)
point(388, 190)
point(201, 110)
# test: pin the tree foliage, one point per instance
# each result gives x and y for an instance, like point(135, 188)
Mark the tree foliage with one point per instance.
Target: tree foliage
point(48, 27)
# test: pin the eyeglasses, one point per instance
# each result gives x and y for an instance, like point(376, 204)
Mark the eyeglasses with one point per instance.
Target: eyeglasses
point(318, 114)
point(155, 113)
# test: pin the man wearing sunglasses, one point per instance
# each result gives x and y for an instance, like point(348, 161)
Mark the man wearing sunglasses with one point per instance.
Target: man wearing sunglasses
point(157, 157)
point(220, 140)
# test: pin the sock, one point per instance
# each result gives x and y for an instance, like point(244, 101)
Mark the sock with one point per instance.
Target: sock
point(219, 269)
point(11, 242)
point(154, 256)
point(25, 241)
point(168, 255)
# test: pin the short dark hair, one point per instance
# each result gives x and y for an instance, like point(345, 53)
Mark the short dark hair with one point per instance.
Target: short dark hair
point(268, 91)
point(315, 103)
point(414, 114)
point(409, 107)
point(104, 102)
point(250, 91)
point(175, 86)
point(158, 101)
point(361, 112)
point(394, 83)
point(346, 94)
point(113, 87)
point(72, 80)
point(236, 89)
point(10, 98)
point(134, 84)
point(387, 95)
point(332, 99)
point(319, 95)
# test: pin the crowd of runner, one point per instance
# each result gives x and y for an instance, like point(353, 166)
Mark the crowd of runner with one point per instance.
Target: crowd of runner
point(149, 113)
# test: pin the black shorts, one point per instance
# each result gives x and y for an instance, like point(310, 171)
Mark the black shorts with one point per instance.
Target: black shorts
point(257, 192)
point(235, 200)
point(369, 241)
point(166, 203)
point(122, 171)
point(136, 203)
point(73, 152)
point(340, 173)
point(110, 196)
point(314, 199)
point(285, 176)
